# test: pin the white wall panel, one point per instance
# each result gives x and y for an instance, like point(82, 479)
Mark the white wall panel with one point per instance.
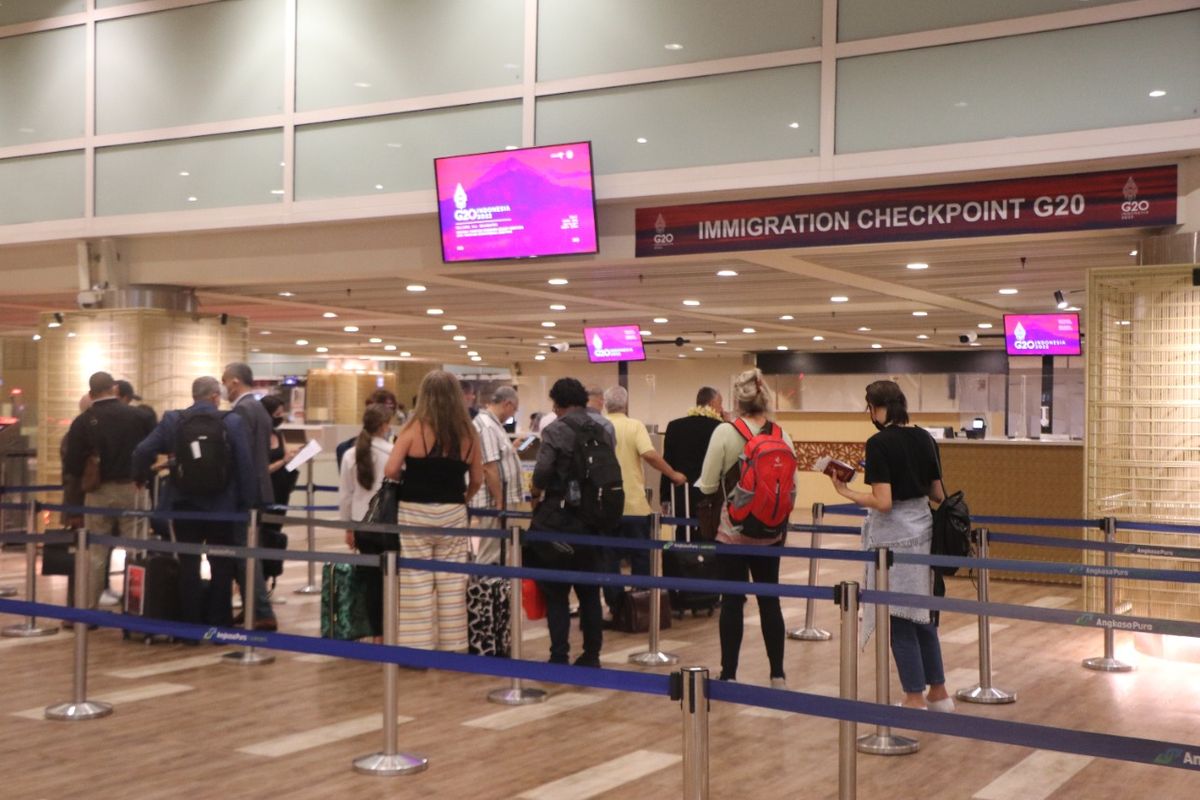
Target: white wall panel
point(41, 188)
point(41, 86)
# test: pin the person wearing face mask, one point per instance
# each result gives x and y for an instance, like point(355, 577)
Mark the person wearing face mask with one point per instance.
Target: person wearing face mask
point(282, 481)
point(904, 474)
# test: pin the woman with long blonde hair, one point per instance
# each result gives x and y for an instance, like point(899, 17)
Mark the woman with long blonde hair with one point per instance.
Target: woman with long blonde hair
point(436, 458)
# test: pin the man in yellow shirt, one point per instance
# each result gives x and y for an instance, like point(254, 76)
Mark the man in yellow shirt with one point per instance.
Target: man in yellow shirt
point(633, 447)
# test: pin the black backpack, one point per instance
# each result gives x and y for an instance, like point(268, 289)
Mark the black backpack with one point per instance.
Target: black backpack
point(202, 454)
point(600, 500)
point(951, 531)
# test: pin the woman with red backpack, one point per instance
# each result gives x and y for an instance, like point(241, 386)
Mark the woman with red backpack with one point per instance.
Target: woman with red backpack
point(752, 464)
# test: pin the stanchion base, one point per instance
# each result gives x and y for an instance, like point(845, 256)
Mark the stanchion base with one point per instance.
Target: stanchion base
point(887, 745)
point(396, 764)
point(988, 696)
point(658, 659)
point(248, 658)
point(27, 629)
point(310, 589)
point(810, 635)
point(517, 697)
point(1105, 664)
point(8, 591)
point(71, 712)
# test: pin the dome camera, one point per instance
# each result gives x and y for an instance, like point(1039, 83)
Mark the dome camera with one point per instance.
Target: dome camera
point(560, 347)
point(968, 337)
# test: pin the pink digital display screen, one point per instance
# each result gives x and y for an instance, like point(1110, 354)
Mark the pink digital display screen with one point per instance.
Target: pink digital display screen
point(614, 343)
point(524, 203)
point(1042, 334)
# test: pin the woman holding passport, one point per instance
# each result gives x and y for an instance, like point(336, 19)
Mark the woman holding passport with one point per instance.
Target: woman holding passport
point(903, 472)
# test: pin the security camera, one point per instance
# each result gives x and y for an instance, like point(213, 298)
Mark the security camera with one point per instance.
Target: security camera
point(560, 347)
point(968, 337)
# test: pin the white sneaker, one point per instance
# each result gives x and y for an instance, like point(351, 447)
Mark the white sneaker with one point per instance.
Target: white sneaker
point(946, 705)
point(779, 683)
point(109, 598)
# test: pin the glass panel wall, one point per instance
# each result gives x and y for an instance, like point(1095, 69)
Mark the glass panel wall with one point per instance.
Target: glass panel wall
point(866, 19)
point(204, 63)
point(750, 116)
point(364, 51)
point(205, 172)
point(41, 188)
point(14, 11)
point(41, 86)
point(585, 38)
point(1103, 76)
point(395, 153)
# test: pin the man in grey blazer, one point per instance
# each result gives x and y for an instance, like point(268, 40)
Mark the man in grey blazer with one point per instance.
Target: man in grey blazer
point(238, 380)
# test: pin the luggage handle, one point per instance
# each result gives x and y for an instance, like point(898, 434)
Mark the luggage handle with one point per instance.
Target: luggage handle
point(687, 506)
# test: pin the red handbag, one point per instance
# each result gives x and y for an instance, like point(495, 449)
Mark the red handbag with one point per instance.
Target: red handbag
point(532, 600)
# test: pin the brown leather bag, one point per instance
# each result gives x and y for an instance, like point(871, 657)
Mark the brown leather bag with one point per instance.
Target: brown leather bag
point(633, 616)
point(708, 509)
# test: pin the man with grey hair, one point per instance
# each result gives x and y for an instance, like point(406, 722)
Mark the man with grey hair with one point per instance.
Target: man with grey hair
point(633, 449)
point(238, 380)
point(502, 488)
point(595, 410)
point(233, 462)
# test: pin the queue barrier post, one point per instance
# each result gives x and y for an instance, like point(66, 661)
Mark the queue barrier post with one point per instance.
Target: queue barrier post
point(79, 707)
point(653, 656)
point(847, 599)
point(30, 626)
point(310, 496)
point(984, 692)
point(1109, 661)
point(883, 742)
point(810, 632)
point(693, 699)
point(516, 694)
point(248, 656)
point(390, 761)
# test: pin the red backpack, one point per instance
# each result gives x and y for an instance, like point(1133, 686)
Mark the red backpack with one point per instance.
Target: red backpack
point(765, 494)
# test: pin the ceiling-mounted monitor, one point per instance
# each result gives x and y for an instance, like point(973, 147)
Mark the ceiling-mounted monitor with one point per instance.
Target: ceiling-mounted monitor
point(614, 343)
point(1042, 334)
point(521, 203)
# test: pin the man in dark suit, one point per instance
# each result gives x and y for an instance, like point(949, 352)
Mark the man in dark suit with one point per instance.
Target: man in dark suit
point(238, 494)
point(238, 380)
point(684, 445)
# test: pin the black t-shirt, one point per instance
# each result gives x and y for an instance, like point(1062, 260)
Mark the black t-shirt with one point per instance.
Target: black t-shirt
point(906, 458)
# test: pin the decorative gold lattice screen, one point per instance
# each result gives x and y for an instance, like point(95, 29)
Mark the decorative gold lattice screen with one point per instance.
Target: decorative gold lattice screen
point(1143, 427)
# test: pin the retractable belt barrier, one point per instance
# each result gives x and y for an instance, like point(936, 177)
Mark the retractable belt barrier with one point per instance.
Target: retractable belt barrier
point(1107, 547)
point(30, 489)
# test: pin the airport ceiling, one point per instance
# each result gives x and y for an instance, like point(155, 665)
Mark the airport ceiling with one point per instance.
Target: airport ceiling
point(778, 299)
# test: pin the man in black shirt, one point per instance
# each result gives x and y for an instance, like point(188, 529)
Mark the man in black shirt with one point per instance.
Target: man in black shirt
point(684, 445)
point(108, 431)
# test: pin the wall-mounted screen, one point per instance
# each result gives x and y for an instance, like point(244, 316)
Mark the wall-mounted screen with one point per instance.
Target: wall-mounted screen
point(614, 343)
point(1042, 334)
point(536, 201)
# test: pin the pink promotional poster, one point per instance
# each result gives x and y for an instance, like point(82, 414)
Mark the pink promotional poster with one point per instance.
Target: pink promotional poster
point(537, 201)
point(614, 343)
point(1041, 334)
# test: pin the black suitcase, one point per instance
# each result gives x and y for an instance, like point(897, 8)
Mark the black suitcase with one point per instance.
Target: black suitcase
point(689, 564)
point(152, 589)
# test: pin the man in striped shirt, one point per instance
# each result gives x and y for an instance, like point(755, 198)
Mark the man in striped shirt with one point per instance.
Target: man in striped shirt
point(502, 487)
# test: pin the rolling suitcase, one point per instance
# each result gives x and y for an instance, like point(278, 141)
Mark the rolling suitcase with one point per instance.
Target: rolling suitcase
point(690, 564)
point(152, 588)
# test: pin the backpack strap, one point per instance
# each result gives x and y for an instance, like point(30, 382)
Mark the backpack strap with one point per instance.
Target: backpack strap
point(741, 427)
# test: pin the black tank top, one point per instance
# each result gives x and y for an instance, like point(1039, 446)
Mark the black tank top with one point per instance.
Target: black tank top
point(434, 478)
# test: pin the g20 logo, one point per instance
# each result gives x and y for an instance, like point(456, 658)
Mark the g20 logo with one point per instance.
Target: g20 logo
point(664, 238)
point(1136, 207)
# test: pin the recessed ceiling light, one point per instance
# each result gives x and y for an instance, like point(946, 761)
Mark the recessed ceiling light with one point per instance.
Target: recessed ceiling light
point(264, 333)
point(462, 347)
point(477, 358)
point(389, 347)
point(975, 344)
point(787, 318)
point(255, 349)
point(351, 329)
point(864, 329)
point(549, 324)
point(1009, 291)
point(781, 347)
point(691, 302)
point(539, 358)
point(699, 349)
point(818, 338)
point(1133, 252)
point(329, 315)
point(549, 336)
point(920, 313)
point(984, 326)
point(673, 46)
point(375, 340)
point(322, 349)
point(1073, 308)
point(37, 337)
point(450, 326)
point(727, 273)
point(459, 338)
point(379, 186)
point(720, 341)
point(644, 332)
point(922, 336)
point(405, 354)
point(661, 320)
point(414, 287)
point(472, 352)
point(839, 298)
point(641, 140)
point(286, 294)
point(558, 281)
point(1158, 93)
point(193, 199)
point(1122, 322)
point(54, 324)
point(511, 147)
point(749, 330)
point(302, 342)
point(682, 355)
point(71, 335)
point(793, 125)
point(434, 312)
point(277, 191)
point(876, 346)
point(917, 265)
point(184, 173)
point(557, 307)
